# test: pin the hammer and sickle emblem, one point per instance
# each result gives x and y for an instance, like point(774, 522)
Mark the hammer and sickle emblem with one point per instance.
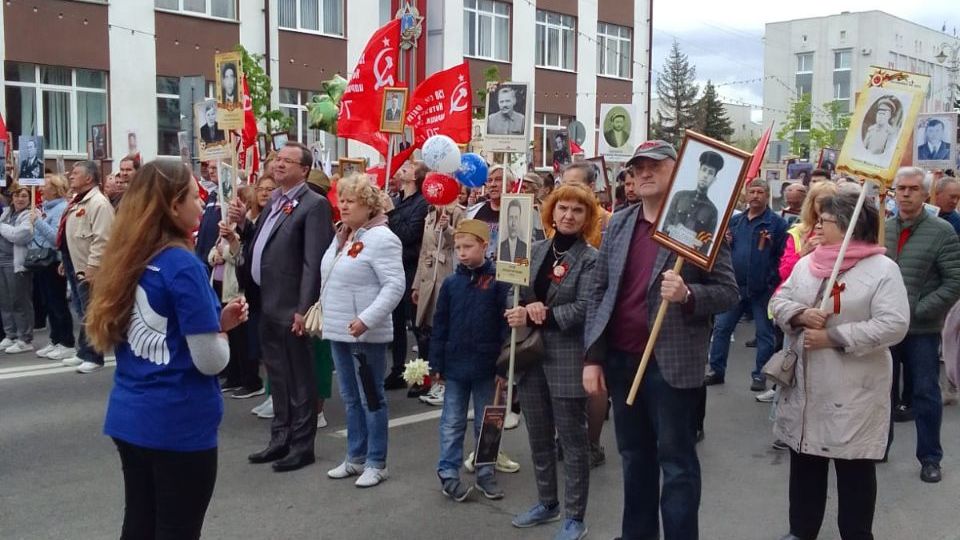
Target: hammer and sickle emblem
point(458, 101)
point(383, 79)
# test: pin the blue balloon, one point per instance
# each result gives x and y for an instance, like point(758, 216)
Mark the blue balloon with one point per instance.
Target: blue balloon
point(473, 170)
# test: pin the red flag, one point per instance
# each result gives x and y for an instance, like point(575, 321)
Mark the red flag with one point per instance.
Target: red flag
point(440, 106)
point(753, 171)
point(249, 134)
point(4, 136)
point(362, 102)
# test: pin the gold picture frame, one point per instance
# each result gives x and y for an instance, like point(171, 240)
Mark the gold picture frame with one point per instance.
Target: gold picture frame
point(350, 166)
point(394, 110)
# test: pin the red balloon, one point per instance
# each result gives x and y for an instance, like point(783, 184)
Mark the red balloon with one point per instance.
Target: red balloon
point(380, 173)
point(440, 189)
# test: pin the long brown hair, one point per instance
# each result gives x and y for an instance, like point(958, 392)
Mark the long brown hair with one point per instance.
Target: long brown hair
point(144, 226)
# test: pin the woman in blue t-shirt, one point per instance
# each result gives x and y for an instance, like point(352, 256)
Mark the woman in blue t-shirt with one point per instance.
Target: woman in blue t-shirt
point(153, 305)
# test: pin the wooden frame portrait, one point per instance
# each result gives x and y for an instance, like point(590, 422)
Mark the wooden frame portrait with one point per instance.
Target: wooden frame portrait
point(935, 140)
point(394, 110)
point(600, 167)
point(507, 121)
point(514, 242)
point(350, 166)
point(704, 188)
point(98, 135)
point(229, 72)
point(211, 138)
point(279, 139)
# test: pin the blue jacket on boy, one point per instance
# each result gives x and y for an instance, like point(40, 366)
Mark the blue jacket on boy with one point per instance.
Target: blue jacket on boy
point(468, 325)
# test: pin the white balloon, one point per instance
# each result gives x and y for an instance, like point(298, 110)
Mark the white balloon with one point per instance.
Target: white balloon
point(441, 154)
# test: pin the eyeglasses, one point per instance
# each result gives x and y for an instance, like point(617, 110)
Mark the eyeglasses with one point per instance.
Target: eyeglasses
point(266, 189)
point(289, 161)
point(821, 221)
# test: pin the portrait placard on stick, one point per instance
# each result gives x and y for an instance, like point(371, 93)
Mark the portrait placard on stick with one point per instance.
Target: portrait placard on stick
point(935, 140)
point(30, 171)
point(211, 139)
point(350, 166)
point(616, 128)
point(229, 70)
point(394, 110)
point(507, 127)
point(98, 135)
point(226, 187)
point(513, 242)
point(3, 163)
point(881, 125)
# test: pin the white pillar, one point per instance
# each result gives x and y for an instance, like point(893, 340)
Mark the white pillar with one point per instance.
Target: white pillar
point(452, 33)
point(361, 24)
point(587, 75)
point(133, 78)
point(524, 51)
point(641, 75)
point(253, 34)
point(274, 59)
point(3, 58)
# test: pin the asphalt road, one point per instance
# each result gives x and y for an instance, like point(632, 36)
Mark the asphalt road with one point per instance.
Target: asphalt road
point(60, 477)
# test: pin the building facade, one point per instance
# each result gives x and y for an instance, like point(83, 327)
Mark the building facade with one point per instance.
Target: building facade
point(830, 57)
point(70, 65)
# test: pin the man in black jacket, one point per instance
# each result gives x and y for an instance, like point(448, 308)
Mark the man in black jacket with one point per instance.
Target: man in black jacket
point(406, 221)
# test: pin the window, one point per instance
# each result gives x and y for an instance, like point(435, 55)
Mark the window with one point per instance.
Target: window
point(293, 103)
point(843, 34)
point(317, 16)
point(59, 103)
point(804, 77)
point(555, 40)
point(486, 29)
point(545, 127)
point(805, 63)
point(841, 78)
point(614, 51)
point(220, 9)
point(168, 115)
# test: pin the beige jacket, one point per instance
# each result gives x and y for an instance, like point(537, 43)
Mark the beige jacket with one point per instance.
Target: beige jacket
point(88, 229)
point(231, 287)
point(840, 404)
point(434, 266)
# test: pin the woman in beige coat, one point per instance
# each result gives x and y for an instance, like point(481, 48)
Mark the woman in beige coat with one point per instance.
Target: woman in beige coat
point(437, 261)
point(839, 407)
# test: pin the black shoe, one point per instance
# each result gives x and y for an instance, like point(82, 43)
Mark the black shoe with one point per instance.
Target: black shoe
point(417, 390)
point(229, 387)
point(713, 379)
point(270, 453)
point(294, 462)
point(902, 413)
point(394, 381)
point(751, 343)
point(245, 392)
point(930, 473)
point(758, 385)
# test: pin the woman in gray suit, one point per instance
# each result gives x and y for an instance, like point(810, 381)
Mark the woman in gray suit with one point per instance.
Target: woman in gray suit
point(551, 393)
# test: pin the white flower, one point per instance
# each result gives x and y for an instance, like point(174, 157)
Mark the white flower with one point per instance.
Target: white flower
point(415, 371)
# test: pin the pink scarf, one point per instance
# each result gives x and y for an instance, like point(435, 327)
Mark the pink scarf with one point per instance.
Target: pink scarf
point(824, 257)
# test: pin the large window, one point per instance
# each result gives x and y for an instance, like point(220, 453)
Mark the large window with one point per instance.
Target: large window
point(59, 103)
point(545, 126)
point(220, 9)
point(168, 115)
point(318, 16)
point(804, 77)
point(486, 29)
point(614, 50)
point(556, 41)
point(841, 79)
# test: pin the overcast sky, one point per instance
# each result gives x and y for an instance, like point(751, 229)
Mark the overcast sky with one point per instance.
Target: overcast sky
point(724, 40)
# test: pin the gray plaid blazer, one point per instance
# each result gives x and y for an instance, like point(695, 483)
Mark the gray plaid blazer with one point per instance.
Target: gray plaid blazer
point(563, 362)
point(681, 350)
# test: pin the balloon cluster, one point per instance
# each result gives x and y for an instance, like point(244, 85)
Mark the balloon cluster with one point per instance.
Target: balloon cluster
point(442, 155)
point(323, 108)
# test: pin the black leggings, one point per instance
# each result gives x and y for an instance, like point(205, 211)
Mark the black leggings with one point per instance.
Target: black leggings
point(856, 496)
point(165, 493)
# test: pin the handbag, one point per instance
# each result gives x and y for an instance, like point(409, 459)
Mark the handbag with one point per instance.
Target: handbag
point(781, 369)
point(313, 318)
point(39, 257)
point(529, 351)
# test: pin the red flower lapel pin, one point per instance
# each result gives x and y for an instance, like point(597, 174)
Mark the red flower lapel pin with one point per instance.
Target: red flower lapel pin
point(559, 272)
point(81, 212)
point(355, 249)
point(289, 206)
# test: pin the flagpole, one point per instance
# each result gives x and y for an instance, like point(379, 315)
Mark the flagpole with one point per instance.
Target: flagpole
point(386, 173)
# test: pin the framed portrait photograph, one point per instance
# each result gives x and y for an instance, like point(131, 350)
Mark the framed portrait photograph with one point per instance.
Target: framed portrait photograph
point(882, 123)
point(935, 140)
point(491, 433)
point(394, 110)
point(558, 148)
point(211, 138)
point(507, 126)
point(477, 132)
point(279, 140)
point(183, 144)
point(98, 135)
point(514, 238)
point(616, 129)
point(704, 188)
point(30, 170)
point(827, 160)
point(262, 145)
point(350, 166)
point(599, 164)
point(229, 71)
point(226, 187)
point(133, 145)
point(3, 163)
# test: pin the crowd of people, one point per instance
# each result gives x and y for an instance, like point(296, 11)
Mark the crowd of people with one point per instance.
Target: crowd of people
point(199, 301)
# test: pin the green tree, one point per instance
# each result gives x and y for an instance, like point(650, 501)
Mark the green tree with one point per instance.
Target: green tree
point(831, 129)
point(492, 74)
point(260, 89)
point(678, 97)
point(799, 117)
point(712, 118)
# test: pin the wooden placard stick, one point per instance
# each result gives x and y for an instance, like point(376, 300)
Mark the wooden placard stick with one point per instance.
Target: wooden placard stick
point(652, 339)
point(825, 304)
point(513, 349)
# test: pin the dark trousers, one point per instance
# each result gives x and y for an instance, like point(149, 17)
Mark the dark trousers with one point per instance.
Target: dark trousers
point(53, 289)
point(724, 326)
point(922, 353)
point(243, 369)
point(401, 315)
point(293, 385)
point(81, 299)
point(423, 333)
point(166, 493)
point(902, 395)
point(39, 306)
point(657, 433)
point(856, 496)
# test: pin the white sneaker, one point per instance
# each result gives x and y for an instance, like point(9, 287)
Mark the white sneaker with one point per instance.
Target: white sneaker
point(321, 421)
point(256, 410)
point(6, 343)
point(434, 396)
point(504, 463)
point(88, 367)
point(45, 351)
point(19, 347)
point(511, 421)
point(766, 396)
point(345, 470)
point(60, 352)
point(71, 361)
point(371, 476)
point(266, 410)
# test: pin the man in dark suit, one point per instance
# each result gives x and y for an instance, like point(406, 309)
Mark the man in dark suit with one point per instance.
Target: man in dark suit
point(658, 432)
point(210, 132)
point(281, 268)
point(393, 111)
point(933, 148)
point(512, 249)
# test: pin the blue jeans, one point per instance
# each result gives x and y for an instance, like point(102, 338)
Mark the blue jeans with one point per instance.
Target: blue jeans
point(724, 326)
point(656, 433)
point(453, 423)
point(80, 300)
point(921, 353)
point(366, 430)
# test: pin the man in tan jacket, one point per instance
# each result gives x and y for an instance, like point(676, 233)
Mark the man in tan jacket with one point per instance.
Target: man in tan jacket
point(84, 231)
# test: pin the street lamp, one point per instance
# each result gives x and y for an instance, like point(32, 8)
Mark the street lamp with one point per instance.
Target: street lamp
point(949, 54)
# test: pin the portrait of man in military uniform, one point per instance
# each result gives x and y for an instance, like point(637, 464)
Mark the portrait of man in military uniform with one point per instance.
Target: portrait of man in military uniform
point(692, 216)
point(506, 105)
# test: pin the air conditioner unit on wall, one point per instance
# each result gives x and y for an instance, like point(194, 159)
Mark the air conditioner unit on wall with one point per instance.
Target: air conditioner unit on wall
point(866, 51)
